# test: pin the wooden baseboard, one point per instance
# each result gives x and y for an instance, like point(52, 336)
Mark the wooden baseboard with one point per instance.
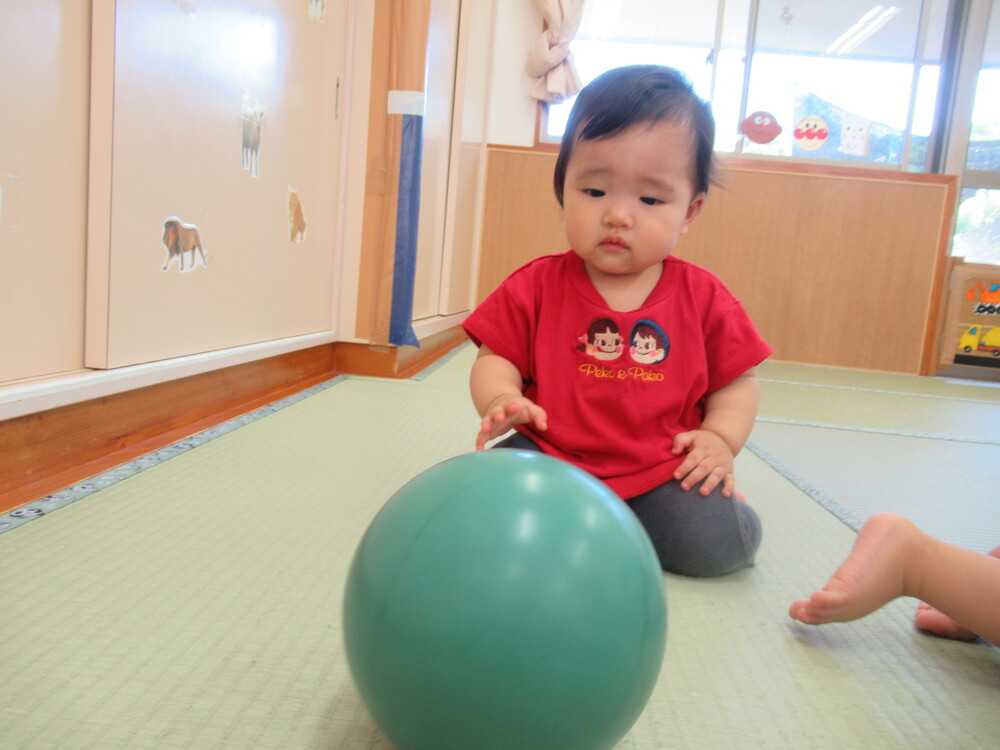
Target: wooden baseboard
point(45, 452)
point(396, 362)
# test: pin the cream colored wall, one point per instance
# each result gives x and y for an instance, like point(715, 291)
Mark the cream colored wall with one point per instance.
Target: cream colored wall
point(439, 110)
point(512, 110)
point(184, 84)
point(356, 96)
point(44, 56)
point(45, 102)
point(469, 156)
point(45, 53)
point(447, 255)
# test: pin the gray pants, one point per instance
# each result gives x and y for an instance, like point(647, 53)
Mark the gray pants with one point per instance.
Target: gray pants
point(696, 536)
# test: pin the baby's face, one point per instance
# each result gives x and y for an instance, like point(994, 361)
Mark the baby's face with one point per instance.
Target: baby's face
point(629, 198)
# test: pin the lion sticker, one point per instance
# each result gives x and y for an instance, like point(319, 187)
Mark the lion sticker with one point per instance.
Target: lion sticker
point(182, 240)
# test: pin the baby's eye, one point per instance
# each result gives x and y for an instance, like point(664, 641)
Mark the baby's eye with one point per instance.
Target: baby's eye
point(650, 201)
point(593, 192)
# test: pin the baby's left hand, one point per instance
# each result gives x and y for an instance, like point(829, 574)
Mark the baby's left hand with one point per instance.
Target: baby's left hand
point(709, 460)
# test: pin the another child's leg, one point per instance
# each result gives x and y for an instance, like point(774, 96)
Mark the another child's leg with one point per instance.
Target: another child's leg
point(937, 622)
point(698, 536)
point(892, 558)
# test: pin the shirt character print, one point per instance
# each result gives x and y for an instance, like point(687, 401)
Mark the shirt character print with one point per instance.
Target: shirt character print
point(649, 344)
point(602, 340)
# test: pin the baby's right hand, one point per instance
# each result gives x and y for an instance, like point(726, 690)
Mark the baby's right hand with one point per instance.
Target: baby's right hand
point(506, 411)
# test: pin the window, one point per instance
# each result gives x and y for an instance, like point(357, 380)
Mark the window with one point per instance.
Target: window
point(850, 81)
point(841, 79)
point(678, 33)
point(977, 232)
point(882, 83)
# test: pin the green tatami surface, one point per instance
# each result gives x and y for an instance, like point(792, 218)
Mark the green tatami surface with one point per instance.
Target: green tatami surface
point(196, 604)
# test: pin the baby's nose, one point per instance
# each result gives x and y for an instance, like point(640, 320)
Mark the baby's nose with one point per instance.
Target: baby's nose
point(617, 216)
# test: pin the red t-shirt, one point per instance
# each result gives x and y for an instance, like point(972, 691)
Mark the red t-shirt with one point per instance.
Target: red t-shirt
point(617, 386)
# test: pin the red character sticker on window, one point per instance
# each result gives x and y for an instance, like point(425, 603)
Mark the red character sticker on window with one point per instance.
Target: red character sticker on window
point(760, 127)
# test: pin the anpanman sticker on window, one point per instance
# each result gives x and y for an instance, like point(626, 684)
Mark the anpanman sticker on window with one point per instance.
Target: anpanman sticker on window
point(811, 132)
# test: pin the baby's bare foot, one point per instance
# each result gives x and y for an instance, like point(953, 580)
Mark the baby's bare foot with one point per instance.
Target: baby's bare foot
point(872, 574)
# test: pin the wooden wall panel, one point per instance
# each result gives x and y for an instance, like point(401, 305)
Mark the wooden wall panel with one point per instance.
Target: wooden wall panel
point(521, 217)
point(838, 266)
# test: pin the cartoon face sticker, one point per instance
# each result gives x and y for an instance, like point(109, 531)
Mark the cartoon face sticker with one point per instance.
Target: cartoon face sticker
point(811, 132)
point(649, 344)
point(602, 340)
point(761, 127)
point(854, 134)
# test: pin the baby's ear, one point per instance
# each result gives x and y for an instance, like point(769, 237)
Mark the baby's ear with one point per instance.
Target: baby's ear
point(693, 209)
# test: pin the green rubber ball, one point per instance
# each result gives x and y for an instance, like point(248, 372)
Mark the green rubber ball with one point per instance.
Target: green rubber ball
point(505, 599)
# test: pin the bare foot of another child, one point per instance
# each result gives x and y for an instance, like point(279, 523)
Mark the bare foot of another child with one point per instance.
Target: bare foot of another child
point(872, 575)
point(891, 558)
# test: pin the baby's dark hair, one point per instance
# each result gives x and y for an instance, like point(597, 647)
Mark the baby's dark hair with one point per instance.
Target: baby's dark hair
point(623, 97)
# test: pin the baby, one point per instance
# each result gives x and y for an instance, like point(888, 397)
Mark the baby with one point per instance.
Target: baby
point(661, 394)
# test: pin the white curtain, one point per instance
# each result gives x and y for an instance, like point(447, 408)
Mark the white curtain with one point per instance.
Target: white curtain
point(550, 62)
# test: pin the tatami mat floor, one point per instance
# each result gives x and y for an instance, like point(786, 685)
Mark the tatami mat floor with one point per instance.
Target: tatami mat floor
point(860, 442)
point(196, 604)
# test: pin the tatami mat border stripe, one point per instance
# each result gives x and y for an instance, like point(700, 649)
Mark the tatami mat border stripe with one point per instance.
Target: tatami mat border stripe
point(440, 362)
point(876, 431)
point(885, 392)
point(800, 482)
point(57, 500)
